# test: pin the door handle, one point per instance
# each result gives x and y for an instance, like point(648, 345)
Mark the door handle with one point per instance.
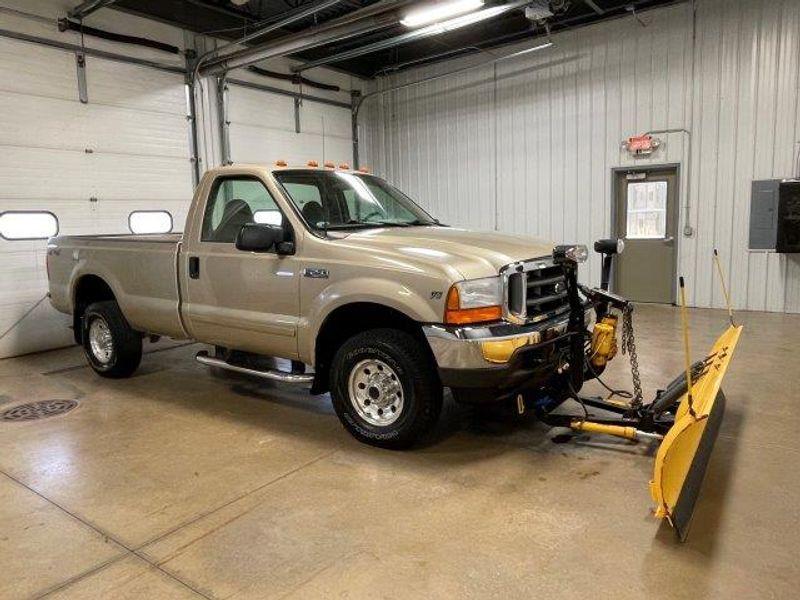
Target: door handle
point(194, 267)
point(669, 240)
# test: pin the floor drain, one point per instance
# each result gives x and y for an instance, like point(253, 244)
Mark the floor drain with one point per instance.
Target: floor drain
point(32, 411)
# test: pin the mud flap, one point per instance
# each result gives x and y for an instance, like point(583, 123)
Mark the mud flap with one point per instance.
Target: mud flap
point(684, 453)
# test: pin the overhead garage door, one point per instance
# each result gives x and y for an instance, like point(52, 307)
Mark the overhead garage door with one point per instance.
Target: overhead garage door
point(91, 165)
point(263, 129)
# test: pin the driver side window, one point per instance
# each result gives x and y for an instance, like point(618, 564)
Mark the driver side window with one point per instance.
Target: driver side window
point(234, 202)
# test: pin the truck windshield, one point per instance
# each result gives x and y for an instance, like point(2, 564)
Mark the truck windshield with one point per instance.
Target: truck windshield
point(330, 200)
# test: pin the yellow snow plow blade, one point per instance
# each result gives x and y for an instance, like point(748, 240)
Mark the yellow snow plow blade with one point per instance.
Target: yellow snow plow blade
point(684, 453)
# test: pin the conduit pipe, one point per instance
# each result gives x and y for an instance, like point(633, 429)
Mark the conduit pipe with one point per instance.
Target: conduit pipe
point(367, 20)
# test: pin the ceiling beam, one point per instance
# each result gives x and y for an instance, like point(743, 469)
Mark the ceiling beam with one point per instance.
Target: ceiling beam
point(292, 17)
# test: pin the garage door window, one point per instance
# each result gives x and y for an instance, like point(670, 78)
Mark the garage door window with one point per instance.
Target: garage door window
point(28, 225)
point(150, 221)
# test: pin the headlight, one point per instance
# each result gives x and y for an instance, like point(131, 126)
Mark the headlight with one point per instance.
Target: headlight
point(577, 253)
point(610, 246)
point(475, 301)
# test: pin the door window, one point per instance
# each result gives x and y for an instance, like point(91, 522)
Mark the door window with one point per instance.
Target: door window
point(234, 202)
point(647, 210)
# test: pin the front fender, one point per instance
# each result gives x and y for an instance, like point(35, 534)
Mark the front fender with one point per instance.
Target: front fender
point(375, 290)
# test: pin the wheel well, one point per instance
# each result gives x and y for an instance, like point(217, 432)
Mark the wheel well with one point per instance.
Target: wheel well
point(89, 289)
point(345, 322)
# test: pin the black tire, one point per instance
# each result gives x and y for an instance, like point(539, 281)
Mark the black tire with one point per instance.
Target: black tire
point(421, 389)
point(126, 344)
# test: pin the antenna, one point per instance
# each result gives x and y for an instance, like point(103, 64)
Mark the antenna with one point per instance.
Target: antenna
point(686, 357)
point(724, 287)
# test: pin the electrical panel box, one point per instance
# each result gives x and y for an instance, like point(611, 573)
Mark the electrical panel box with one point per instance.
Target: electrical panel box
point(775, 215)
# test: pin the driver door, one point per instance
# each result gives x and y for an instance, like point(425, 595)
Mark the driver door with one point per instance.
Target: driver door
point(242, 300)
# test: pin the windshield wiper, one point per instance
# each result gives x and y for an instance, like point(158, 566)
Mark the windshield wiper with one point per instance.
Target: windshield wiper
point(419, 223)
point(350, 225)
point(353, 224)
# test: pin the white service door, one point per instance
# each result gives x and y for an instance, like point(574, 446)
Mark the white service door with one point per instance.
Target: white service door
point(263, 129)
point(89, 164)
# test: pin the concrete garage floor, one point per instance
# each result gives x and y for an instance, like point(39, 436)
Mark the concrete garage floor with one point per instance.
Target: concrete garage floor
point(179, 484)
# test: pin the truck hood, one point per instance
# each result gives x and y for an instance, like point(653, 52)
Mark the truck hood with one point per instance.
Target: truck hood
point(473, 254)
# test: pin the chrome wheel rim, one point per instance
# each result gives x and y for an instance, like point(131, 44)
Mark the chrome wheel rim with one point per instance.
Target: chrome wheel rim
point(376, 392)
point(100, 341)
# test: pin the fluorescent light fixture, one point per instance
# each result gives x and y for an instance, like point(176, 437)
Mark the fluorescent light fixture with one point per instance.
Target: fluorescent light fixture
point(439, 11)
point(462, 21)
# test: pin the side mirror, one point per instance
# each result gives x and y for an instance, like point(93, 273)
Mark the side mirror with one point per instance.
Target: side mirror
point(259, 237)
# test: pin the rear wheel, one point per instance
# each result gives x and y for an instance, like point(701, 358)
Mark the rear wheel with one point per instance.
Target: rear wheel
point(385, 389)
point(112, 348)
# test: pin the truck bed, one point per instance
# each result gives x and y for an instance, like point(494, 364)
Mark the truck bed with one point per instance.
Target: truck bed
point(142, 271)
point(158, 238)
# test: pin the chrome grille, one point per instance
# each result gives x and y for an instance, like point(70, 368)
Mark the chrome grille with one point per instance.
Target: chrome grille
point(534, 290)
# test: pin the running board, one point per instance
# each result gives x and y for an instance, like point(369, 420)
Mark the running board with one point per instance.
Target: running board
point(271, 374)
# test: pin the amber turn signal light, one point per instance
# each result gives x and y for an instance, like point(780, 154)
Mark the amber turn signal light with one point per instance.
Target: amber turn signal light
point(455, 315)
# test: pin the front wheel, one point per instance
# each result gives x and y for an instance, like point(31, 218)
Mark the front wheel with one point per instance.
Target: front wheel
point(112, 348)
point(385, 388)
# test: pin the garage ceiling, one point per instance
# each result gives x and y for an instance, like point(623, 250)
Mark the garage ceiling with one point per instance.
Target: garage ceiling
point(231, 20)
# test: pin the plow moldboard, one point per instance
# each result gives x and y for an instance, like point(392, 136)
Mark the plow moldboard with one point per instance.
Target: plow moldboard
point(684, 453)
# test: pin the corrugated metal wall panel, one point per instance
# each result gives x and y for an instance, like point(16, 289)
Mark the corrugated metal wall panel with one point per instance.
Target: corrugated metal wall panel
point(444, 127)
point(552, 123)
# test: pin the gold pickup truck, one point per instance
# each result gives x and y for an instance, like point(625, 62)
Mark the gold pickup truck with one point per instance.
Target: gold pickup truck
point(335, 270)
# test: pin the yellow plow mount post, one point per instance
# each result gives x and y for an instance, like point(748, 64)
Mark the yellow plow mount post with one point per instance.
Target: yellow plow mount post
point(683, 455)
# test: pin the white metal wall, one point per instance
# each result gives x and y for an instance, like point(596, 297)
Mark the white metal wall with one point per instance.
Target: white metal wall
point(528, 146)
point(89, 164)
point(263, 129)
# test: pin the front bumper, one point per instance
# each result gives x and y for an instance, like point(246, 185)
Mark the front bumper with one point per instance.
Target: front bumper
point(501, 355)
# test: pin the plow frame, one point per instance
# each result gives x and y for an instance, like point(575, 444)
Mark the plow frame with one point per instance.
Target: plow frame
point(686, 425)
point(685, 417)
